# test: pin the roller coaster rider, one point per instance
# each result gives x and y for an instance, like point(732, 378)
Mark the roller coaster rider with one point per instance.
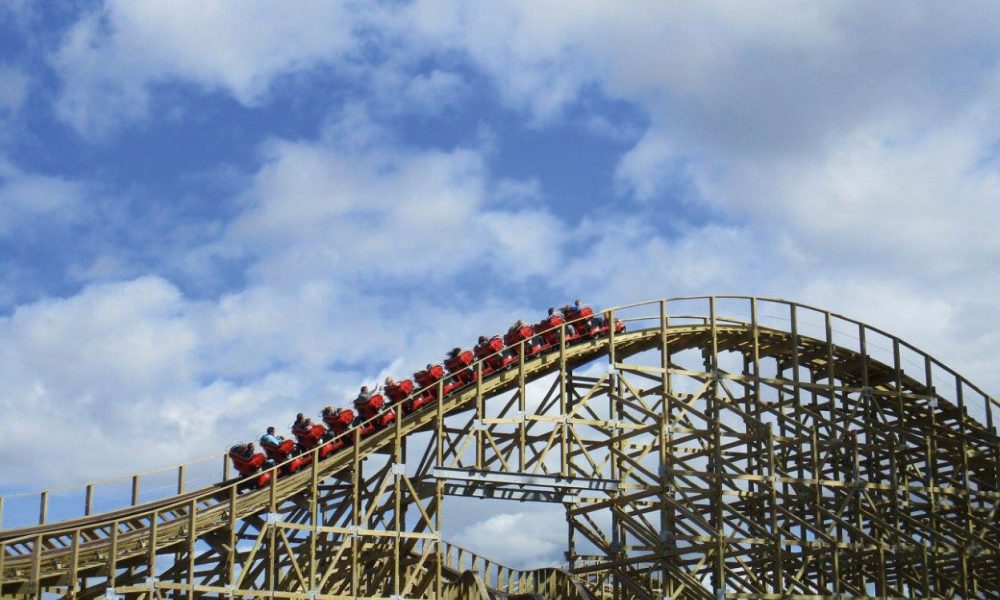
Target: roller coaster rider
point(364, 395)
point(388, 383)
point(374, 410)
point(301, 425)
point(555, 313)
point(330, 416)
point(579, 306)
point(270, 438)
point(245, 451)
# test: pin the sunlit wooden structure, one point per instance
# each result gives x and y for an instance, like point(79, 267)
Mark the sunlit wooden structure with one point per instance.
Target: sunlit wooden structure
point(722, 447)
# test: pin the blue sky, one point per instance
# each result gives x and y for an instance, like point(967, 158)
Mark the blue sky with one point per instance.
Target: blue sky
point(214, 214)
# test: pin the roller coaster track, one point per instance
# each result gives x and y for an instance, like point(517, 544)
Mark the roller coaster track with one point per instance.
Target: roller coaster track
point(723, 447)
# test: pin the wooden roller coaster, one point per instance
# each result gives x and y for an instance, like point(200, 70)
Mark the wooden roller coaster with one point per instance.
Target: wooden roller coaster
point(722, 447)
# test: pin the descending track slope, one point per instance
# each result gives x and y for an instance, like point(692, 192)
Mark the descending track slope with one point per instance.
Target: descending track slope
point(723, 446)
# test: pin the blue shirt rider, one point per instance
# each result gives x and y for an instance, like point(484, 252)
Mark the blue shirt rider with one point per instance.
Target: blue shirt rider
point(270, 438)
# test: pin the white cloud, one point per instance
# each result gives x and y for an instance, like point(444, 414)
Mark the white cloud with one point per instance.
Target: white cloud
point(644, 169)
point(117, 341)
point(377, 210)
point(112, 56)
point(326, 226)
point(520, 539)
point(844, 144)
point(31, 201)
point(138, 365)
point(925, 202)
point(632, 260)
point(523, 46)
point(387, 213)
point(135, 365)
point(89, 365)
point(434, 92)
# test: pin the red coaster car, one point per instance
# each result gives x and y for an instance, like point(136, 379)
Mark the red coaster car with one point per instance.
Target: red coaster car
point(587, 325)
point(619, 326)
point(526, 333)
point(429, 376)
point(280, 453)
point(250, 465)
point(338, 422)
point(399, 390)
point(372, 409)
point(590, 325)
point(494, 356)
point(549, 330)
point(459, 367)
point(311, 437)
point(426, 382)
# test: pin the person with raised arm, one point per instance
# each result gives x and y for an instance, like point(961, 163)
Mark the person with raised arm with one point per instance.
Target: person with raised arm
point(364, 395)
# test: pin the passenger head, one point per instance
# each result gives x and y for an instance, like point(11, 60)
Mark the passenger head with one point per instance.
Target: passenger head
point(327, 410)
point(389, 380)
point(552, 310)
point(482, 339)
point(577, 303)
point(249, 446)
point(299, 417)
point(364, 389)
point(270, 430)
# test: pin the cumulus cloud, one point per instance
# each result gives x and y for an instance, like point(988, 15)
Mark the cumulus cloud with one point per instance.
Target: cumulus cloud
point(882, 200)
point(138, 365)
point(112, 56)
point(820, 148)
point(386, 211)
point(647, 167)
point(125, 365)
point(327, 227)
point(101, 360)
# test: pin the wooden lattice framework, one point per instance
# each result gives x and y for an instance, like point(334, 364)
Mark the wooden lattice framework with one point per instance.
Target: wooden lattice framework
point(723, 447)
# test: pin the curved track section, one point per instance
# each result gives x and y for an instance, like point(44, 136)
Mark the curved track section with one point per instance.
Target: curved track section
point(722, 447)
